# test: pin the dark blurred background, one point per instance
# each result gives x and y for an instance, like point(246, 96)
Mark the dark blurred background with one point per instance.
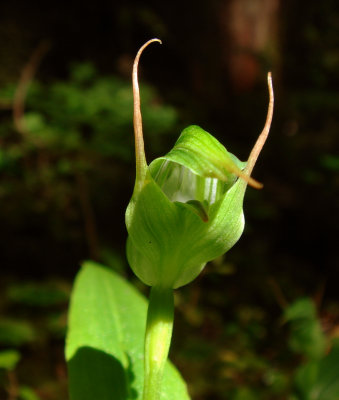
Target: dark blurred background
point(67, 173)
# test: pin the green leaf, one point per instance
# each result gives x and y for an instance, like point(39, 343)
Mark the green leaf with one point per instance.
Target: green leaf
point(105, 341)
point(15, 332)
point(37, 294)
point(306, 335)
point(301, 309)
point(327, 386)
point(320, 380)
point(244, 393)
point(26, 393)
point(305, 379)
point(9, 359)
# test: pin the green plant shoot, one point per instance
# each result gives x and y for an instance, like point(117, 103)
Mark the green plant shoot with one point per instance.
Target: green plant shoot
point(186, 210)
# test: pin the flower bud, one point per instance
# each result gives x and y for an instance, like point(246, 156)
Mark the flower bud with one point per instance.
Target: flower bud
point(187, 206)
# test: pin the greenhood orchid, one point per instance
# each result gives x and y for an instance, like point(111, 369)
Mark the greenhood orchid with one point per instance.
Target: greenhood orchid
point(187, 206)
point(186, 210)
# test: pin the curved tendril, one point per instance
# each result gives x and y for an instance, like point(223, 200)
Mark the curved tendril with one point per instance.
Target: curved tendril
point(263, 136)
point(140, 159)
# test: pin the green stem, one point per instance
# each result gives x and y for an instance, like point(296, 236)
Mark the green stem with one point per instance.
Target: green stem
point(157, 339)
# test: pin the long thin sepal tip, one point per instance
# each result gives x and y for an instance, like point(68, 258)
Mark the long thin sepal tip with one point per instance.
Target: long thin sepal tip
point(263, 136)
point(140, 157)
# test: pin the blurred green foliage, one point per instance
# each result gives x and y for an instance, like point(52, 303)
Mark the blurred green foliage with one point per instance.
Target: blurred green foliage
point(306, 335)
point(318, 376)
point(16, 332)
point(76, 125)
point(74, 139)
point(9, 359)
point(32, 331)
point(244, 351)
point(32, 294)
point(234, 357)
point(88, 115)
point(26, 393)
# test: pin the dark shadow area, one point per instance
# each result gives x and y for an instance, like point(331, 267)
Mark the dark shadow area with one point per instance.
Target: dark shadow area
point(106, 380)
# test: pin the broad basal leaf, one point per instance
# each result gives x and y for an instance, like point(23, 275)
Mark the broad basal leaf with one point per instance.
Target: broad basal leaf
point(105, 341)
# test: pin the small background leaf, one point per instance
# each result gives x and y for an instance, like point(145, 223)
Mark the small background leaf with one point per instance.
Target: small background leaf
point(104, 348)
point(15, 332)
point(320, 381)
point(9, 359)
point(306, 335)
point(27, 393)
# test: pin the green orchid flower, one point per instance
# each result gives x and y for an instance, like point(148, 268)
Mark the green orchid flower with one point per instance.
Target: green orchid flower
point(187, 206)
point(186, 210)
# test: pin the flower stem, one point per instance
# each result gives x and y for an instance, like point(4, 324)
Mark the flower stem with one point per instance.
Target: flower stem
point(157, 339)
